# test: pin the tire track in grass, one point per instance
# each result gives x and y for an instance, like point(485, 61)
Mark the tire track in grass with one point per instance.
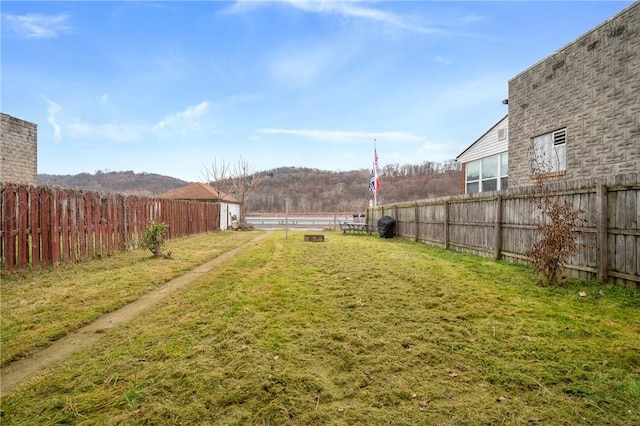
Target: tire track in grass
point(20, 371)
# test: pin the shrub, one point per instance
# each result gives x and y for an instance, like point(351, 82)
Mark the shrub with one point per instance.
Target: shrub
point(558, 237)
point(154, 236)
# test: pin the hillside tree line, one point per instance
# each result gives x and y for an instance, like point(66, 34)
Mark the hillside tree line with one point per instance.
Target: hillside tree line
point(308, 190)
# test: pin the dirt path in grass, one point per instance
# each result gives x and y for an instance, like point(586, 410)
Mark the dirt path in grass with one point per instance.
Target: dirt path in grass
point(22, 370)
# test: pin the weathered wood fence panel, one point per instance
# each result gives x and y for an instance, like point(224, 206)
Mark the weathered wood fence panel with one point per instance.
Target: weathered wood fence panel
point(49, 226)
point(504, 224)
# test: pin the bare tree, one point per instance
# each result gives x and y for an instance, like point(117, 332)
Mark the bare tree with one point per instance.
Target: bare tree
point(244, 181)
point(216, 175)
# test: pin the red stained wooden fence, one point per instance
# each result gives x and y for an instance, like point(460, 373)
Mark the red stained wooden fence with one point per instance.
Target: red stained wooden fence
point(42, 226)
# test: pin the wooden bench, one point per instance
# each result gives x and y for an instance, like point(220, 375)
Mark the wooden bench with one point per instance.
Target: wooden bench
point(355, 228)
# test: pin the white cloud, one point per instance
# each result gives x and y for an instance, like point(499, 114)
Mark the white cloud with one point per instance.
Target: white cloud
point(52, 112)
point(355, 10)
point(88, 132)
point(348, 9)
point(36, 25)
point(343, 136)
point(113, 132)
point(182, 119)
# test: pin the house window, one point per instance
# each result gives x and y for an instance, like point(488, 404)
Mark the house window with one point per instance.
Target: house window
point(490, 173)
point(502, 134)
point(487, 174)
point(473, 177)
point(550, 152)
point(504, 170)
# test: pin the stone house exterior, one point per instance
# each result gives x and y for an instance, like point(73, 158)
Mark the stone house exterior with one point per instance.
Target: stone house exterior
point(576, 113)
point(18, 150)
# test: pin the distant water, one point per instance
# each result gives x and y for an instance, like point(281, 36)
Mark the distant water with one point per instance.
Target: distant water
point(299, 222)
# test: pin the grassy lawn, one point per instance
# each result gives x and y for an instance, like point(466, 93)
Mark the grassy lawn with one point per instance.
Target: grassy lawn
point(38, 307)
point(355, 330)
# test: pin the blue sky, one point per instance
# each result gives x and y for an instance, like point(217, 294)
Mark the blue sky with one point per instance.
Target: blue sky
point(171, 87)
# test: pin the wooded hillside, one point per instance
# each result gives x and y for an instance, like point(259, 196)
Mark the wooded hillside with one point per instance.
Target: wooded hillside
point(130, 183)
point(312, 190)
point(308, 190)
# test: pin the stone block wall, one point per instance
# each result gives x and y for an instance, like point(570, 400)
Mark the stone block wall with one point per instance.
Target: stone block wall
point(18, 150)
point(591, 87)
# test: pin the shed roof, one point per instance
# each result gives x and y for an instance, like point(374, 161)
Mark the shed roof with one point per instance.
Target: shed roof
point(198, 191)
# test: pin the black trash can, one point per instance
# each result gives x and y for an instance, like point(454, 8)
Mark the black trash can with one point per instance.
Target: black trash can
point(386, 227)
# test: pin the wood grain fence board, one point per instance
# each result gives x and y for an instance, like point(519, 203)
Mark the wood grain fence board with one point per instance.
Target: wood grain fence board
point(91, 246)
point(34, 216)
point(631, 256)
point(112, 205)
point(130, 214)
point(55, 228)
point(97, 225)
point(104, 240)
point(74, 255)
point(45, 226)
point(9, 225)
point(177, 216)
point(64, 225)
point(108, 228)
point(82, 226)
point(117, 236)
point(23, 227)
point(114, 223)
point(122, 229)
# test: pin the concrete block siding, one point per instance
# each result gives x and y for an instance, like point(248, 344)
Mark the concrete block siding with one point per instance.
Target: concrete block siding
point(591, 87)
point(18, 150)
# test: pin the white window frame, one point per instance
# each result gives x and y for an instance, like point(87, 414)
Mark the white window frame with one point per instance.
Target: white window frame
point(501, 157)
point(549, 153)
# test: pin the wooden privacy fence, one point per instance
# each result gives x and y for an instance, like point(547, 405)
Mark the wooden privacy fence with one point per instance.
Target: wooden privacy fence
point(48, 226)
point(504, 224)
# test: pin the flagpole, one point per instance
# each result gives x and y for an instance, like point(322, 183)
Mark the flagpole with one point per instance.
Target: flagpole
point(375, 175)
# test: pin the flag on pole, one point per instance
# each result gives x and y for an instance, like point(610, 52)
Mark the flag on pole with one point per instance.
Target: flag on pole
point(375, 168)
point(372, 181)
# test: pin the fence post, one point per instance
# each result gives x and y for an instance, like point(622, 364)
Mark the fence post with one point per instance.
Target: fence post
point(45, 226)
point(55, 228)
point(446, 225)
point(22, 235)
point(417, 236)
point(34, 213)
point(602, 251)
point(395, 215)
point(497, 241)
point(64, 226)
point(9, 225)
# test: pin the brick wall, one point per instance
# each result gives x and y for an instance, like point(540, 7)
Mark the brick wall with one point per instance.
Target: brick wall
point(18, 150)
point(591, 87)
